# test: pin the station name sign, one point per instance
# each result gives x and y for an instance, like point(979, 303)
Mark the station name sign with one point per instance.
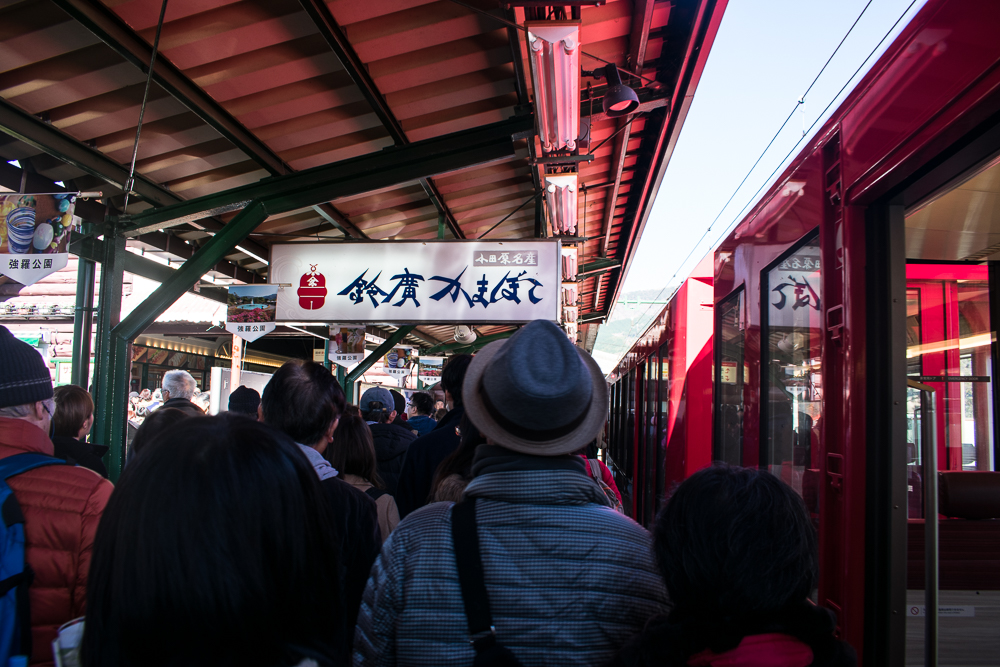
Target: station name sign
point(418, 281)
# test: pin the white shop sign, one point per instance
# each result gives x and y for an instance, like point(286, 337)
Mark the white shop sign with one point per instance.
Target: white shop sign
point(794, 290)
point(418, 281)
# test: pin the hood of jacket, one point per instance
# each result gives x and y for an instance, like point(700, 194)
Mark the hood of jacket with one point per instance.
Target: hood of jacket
point(511, 477)
point(391, 441)
point(322, 467)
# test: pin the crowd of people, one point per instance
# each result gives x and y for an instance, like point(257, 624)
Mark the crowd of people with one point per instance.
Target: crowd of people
point(295, 529)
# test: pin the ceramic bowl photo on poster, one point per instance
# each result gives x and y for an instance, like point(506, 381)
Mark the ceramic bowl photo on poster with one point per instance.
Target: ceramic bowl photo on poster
point(36, 224)
point(20, 229)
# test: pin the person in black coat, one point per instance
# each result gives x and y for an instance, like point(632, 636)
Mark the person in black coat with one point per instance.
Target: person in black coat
point(304, 401)
point(391, 440)
point(179, 387)
point(71, 423)
point(426, 453)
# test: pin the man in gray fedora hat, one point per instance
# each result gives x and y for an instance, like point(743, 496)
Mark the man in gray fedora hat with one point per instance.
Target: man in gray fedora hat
point(532, 562)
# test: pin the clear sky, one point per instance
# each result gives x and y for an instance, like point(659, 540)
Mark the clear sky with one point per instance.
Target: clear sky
point(764, 58)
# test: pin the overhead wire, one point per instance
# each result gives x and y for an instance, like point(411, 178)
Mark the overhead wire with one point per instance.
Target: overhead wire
point(767, 181)
point(504, 219)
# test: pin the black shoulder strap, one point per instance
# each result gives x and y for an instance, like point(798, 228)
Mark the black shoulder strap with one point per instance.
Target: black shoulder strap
point(374, 493)
point(470, 572)
point(465, 538)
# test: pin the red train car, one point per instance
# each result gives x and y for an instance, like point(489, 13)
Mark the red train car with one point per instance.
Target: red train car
point(661, 397)
point(854, 350)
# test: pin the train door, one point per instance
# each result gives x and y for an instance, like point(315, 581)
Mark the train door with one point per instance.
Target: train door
point(951, 488)
point(730, 337)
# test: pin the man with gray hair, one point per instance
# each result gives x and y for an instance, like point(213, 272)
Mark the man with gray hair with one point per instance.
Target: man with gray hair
point(178, 389)
point(59, 505)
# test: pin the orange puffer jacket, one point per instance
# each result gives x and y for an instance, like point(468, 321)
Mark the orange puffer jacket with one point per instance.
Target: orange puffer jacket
point(62, 506)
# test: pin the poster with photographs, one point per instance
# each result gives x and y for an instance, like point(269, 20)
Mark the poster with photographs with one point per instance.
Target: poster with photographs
point(430, 370)
point(347, 345)
point(250, 311)
point(399, 363)
point(34, 234)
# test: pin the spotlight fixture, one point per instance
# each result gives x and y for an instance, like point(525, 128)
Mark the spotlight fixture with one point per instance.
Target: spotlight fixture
point(560, 196)
point(465, 335)
point(554, 48)
point(619, 99)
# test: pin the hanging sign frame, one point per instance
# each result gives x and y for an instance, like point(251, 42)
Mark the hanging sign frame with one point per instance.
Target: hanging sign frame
point(250, 310)
point(407, 282)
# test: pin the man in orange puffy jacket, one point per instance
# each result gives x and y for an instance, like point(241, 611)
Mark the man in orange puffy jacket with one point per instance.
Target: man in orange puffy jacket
point(61, 504)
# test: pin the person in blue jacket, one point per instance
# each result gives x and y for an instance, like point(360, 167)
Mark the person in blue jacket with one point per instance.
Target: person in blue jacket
point(419, 412)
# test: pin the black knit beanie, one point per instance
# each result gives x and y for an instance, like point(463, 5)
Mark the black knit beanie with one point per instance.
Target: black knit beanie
point(244, 400)
point(24, 377)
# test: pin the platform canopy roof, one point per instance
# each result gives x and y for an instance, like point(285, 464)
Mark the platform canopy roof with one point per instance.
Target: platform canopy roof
point(418, 112)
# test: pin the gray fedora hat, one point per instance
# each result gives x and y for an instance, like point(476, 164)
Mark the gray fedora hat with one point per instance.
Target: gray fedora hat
point(536, 392)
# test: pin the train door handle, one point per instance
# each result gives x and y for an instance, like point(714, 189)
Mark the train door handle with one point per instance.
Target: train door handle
point(835, 324)
point(835, 470)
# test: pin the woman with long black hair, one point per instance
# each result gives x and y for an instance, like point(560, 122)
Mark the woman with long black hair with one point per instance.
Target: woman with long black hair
point(216, 548)
point(738, 554)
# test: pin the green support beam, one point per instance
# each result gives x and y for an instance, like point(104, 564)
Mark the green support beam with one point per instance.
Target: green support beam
point(108, 312)
point(90, 248)
point(113, 393)
point(342, 377)
point(599, 265)
point(466, 347)
point(366, 173)
point(83, 321)
point(366, 363)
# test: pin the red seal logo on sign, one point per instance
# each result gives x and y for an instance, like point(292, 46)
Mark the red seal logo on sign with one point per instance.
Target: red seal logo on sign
point(312, 289)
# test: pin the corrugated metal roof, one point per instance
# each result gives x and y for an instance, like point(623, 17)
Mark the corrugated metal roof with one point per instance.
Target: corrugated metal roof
point(252, 88)
point(188, 308)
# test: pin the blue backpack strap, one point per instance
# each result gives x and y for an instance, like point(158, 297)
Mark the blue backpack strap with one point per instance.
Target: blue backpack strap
point(15, 575)
point(18, 463)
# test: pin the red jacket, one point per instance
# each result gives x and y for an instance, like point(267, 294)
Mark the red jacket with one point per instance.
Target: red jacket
point(767, 650)
point(62, 506)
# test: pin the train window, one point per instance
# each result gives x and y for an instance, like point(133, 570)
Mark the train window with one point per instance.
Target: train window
point(948, 347)
point(651, 423)
point(642, 432)
point(664, 414)
point(729, 378)
point(628, 431)
point(791, 373)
